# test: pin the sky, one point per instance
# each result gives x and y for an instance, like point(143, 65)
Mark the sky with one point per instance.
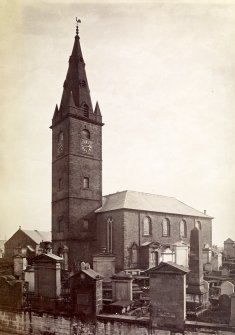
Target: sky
point(163, 73)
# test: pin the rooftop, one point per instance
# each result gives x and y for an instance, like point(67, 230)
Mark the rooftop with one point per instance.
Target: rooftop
point(147, 202)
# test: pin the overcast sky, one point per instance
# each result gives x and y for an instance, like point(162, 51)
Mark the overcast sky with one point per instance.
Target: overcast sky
point(164, 75)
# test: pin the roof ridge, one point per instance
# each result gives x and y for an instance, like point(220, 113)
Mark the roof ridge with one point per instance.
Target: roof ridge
point(147, 193)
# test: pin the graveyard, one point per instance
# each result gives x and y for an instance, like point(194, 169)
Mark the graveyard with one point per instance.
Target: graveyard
point(170, 296)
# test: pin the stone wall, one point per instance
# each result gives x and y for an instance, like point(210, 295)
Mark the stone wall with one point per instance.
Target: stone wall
point(24, 323)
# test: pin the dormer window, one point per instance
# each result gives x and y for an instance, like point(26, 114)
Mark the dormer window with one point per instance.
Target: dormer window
point(85, 111)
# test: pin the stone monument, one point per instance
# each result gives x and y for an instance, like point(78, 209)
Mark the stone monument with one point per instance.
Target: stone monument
point(197, 290)
point(168, 295)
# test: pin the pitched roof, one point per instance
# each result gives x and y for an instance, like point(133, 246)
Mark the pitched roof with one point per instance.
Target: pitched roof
point(49, 257)
point(38, 236)
point(229, 240)
point(147, 202)
point(168, 267)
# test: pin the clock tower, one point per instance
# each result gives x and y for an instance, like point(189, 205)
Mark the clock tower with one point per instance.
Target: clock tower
point(76, 165)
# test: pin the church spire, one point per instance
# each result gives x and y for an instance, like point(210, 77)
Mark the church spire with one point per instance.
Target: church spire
point(76, 83)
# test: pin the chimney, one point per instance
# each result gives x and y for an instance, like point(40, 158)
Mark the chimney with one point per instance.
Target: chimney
point(205, 211)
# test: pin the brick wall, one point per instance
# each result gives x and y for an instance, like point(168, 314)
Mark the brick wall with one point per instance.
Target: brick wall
point(117, 236)
point(128, 229)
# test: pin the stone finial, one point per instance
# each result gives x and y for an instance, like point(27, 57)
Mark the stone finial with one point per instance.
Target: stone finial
point(83, 266)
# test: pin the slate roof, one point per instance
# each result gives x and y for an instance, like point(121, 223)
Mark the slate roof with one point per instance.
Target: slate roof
point(147, 202)
point(38, 236)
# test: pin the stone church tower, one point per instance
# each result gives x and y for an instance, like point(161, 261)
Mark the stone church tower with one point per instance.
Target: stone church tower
point(76, 165)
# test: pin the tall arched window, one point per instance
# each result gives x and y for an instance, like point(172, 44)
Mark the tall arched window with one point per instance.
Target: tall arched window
point(166, 227)
point(109, 234)
point(147, 226)
point(183, 228)
point(86, 134)
point(198, 225)
point(134, 256)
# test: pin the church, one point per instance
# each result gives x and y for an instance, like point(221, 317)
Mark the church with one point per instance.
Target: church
point(132, 226)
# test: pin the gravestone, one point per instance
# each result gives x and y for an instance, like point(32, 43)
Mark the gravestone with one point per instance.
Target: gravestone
point(225, 303)
point(104, 263)
point(181, 253)
point(29, 277)
point(216, 261)
point(168, 295)
point(227, 288)
point(122, 286)
point(168, 255)
point(208, 267)
point(86, 291)
point(232, 314)
point(206, 254)
point(197, 292)
point(47, 269)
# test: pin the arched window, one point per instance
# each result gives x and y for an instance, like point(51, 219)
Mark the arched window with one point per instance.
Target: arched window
point(166, 227)
point(147, 229)
point(198, 225)
point(85, 111)
point(183, 228)
point(134, 256)
point(109, 234)
point(86, 134)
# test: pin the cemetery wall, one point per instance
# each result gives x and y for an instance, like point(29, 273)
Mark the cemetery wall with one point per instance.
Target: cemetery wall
point(23, 323)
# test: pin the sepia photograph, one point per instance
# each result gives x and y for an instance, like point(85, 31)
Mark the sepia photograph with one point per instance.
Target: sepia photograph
point(117, 173)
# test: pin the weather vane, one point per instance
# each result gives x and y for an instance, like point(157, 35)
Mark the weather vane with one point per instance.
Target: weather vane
point(77, 29)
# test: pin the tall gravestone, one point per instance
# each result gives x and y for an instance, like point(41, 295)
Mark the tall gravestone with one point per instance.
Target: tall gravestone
point(197, 290)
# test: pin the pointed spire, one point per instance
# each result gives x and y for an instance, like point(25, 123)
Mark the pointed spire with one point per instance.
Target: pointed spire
point(97, 109)
point(76, 79)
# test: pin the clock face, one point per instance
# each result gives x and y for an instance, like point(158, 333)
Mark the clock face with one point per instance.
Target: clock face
point(86, 146)
point(60, 144)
